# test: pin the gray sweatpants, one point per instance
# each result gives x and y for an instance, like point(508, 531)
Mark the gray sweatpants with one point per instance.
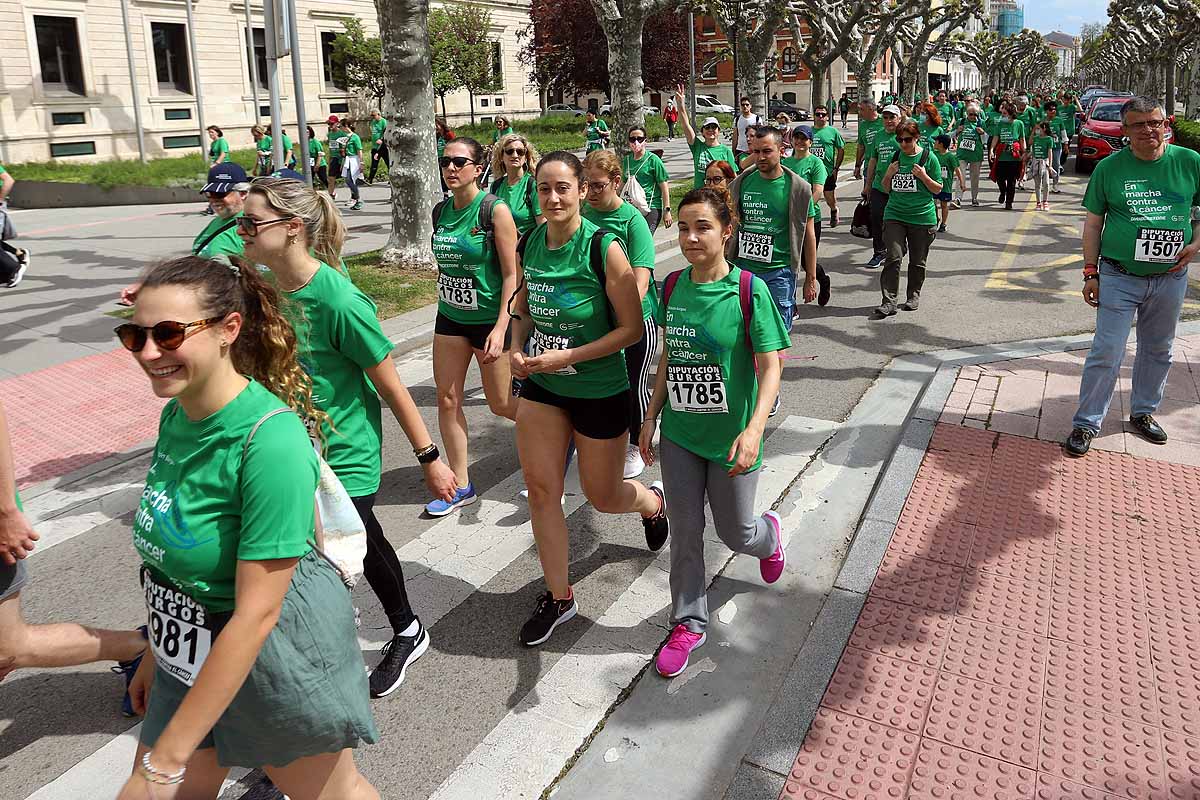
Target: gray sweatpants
point(687, 479)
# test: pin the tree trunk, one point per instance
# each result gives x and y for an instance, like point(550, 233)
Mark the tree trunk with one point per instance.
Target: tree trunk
point(817, 79)
point(443, 106)
point(625, 72)
point(413, 171)
point(1170, 89)
point(471, 95)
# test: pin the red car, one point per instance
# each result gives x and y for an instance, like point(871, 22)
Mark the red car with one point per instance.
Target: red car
point(1100, 134)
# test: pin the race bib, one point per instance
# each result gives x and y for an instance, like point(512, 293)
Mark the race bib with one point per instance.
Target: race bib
point(756, 246)
point(699, 389)
point(312, 163)
point(904, 182)
point(1159, 247)
point(818, 150)
point(540, 342)
point(966, 144)
point(458, 292)
point(180, 630)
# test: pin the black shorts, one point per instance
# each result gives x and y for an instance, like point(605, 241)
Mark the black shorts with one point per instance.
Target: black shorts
point(475, 333)
point(335, 168)
point(14, 578)
point(322, 175)
point(593, 417)
point(831, 182)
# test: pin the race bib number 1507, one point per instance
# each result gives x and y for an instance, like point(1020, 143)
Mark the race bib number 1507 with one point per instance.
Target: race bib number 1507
point(1160, 247)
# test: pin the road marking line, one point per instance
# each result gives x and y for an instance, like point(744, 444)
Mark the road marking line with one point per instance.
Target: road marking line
point(998, 279)
point(118, 221)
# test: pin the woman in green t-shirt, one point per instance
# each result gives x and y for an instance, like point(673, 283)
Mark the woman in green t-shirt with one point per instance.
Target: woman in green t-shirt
point(913, 179)
point(262, 151)
point(316, 159)
point(218, 149)
point(513, 162)
point(972, 140)
point(225, 530)
point(503, 128)
point(714, 410)
point(1007, 151)
point(930, 126)
point(595, 133)
point(578, 306)
point(379, 148)
point(297, 233)
point(477, 274)
point(351, 162)
point(648, 170)
point(605, 208)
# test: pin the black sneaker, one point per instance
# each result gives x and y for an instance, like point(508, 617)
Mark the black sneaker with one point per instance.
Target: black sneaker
point(548, 615)
point(657, 527)
point(834, 218)
point(885, 310)
point(1145, 426)
point(398, 655)
point(912, 304)
point(1079, 442)
point(823, 293)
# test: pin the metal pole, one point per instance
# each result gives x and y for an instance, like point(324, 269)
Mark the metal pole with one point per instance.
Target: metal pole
point(133, 84)
point(253, 67)
point(191, 23)
point(736, 92)
point(298, 84)
point(277, 158)
point(692, 67)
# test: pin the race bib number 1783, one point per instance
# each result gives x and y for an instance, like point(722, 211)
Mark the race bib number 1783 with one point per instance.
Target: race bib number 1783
point(1160, 247)
point(458, 292)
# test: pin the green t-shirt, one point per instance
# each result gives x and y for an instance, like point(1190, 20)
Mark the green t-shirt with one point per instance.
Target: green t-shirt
point(1041, 146)
point(264, 144)
point(764, 238)
point(1058, 130)
point(336, 142)
point(205, 507)
point(1029, 117)
point(569, 307)
point(497, 135)
point(868, 131)
point(352, 144)
point(225, 243)
point(711, 383)
point(338, 338)
point(649, 172)
point(703, 155)
point(218, 146)
point(1146, 207)
point(441, 147)
point(927, 135)
point(1009, 132)
point(378, 126)
point(910, 200)
point(946, 112)
point(972, 142)
point(469, 276)
point(812, 169)
point(2, 169)
point(882, 151)
point(949, 163)
point(287, 147)
point(826, 142)
point(631, 230)
point(1067, 114)
point(316, 153)
point(521, 199)
point(594, 140)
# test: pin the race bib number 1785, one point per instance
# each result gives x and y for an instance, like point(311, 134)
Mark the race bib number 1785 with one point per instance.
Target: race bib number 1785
point(699, 389)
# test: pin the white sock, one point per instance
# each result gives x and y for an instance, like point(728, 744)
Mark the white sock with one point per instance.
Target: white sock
point(412, 628)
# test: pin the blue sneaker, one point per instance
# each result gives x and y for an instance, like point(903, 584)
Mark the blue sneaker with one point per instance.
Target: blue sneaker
point(875, 261)
point(462, 497)
point(128, 669)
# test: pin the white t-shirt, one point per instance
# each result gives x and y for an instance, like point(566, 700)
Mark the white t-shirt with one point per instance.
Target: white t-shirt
point(744, 122)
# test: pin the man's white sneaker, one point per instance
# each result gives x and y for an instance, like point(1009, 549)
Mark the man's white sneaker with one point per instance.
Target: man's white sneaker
point(634, 465)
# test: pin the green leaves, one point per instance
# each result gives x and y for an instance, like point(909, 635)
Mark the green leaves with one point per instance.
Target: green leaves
point(361, 57)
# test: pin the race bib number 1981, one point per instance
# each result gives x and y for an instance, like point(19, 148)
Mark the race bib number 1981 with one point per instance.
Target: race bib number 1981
point(1160, 247)
point(699, 389)
point(180, 631)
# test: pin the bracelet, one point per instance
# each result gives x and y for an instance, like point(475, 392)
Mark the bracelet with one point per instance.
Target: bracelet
point(427, 455)
point(158, 776)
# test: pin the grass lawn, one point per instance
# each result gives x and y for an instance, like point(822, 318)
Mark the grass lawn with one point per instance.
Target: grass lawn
point(179, 171)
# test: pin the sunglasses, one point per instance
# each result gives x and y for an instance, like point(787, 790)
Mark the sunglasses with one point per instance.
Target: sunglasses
point(167, 335)
point(636, 139)
point(252, 226)
point(903, 139)
point(711, 128)
point(821, 114)
point(714, 181)
point(458, 161)
point(514, 151)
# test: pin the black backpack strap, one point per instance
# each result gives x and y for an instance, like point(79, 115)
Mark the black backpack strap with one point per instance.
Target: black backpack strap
point(597, 257)
point(437, 212)
point(524, 238)
point(231, 223)
point(530, 192)
point(486, 207)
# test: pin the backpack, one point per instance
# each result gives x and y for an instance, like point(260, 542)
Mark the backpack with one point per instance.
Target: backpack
point(485, 218)
point(595, 258)
point(745, 297)
point(530, 191)
point(921, 162)
point(633, 193)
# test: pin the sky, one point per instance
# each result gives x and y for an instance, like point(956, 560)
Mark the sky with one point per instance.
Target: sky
point(1063, 15)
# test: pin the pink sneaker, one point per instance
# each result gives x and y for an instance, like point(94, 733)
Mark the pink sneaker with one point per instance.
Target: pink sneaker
point(772, 567)
point(673, 658)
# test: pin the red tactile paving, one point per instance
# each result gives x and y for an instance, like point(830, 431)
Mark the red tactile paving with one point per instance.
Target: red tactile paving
point(1033, 632)
point(71, 415)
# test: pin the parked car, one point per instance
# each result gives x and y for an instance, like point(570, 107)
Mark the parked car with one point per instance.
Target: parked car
point(706, 104)
point(606, 110)
point(776, 107)
point(1100, 135)
point(564, 109)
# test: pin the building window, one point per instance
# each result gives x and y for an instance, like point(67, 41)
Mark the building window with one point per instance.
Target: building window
point(177, 113)
point(264, 111)
point(497, 67)
point(498, 101)
point(68, 118)
point(259, 54)
point(789, 98)
point(335, 74)
point(178, 142)
point(483, 102)
point(791, 61)
point(73, 149)
point(708, 25)
point(171, 57)
point(58, 54)
point(339, 108)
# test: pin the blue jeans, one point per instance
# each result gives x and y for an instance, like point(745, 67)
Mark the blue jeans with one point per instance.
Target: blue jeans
point(1056, 160)
point(1156, 301)
point(782, 284)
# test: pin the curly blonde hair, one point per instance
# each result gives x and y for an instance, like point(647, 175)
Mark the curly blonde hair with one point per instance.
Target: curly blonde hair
point(531, 154)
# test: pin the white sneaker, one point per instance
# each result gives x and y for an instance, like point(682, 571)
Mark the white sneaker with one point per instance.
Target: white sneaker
point(634, 465)
point(524, 495)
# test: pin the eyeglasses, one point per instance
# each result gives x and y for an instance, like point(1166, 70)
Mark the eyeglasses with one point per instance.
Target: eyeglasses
point(596, 186)
point(458, 161)
point(514, 151)
point(1152, 124)
point(714, 180)
point(903, 139)
point(167, 335)
point(636, 139)
point(252, 226)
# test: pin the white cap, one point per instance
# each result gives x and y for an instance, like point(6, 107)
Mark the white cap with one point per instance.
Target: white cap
point(892, 109)
point(711, 121)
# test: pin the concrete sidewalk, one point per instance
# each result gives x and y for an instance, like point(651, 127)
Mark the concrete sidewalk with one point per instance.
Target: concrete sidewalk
point(1031, 631)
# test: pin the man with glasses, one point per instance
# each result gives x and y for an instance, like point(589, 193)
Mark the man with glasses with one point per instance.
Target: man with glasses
point(869, 126)
point(1140, 234)
point(706, 148)
point(879, 155)
point(743, 132)
point(829, 146)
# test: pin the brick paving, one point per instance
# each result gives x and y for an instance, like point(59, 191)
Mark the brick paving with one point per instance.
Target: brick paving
point(1033, 629)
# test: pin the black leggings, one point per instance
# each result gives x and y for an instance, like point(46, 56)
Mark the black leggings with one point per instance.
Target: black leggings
point(381, 567)
point(639, 358)
point(1006, 176)
point(376, 156)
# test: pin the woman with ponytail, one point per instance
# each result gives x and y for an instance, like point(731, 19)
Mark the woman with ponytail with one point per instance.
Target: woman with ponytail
point(234, 590)
point(298, 234)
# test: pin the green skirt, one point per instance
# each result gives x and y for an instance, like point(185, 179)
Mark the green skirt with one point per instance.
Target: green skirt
point(305, 695)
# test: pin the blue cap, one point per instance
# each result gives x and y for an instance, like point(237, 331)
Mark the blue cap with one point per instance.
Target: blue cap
point(288, 174)
point(226, 178)
point(802, 130)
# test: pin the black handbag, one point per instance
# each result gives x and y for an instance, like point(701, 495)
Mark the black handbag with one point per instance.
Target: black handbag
point(860, 226)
